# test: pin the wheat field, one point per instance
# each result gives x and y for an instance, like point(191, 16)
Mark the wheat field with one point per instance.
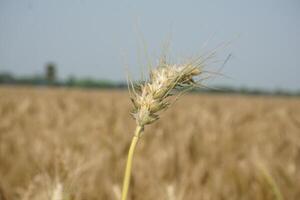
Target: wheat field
point(206, 147)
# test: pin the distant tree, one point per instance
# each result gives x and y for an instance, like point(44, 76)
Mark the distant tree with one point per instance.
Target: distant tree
point(6, 78)
point(50, 74)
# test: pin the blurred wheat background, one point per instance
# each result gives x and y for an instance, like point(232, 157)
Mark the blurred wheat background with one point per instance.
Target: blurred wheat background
point(204, 147)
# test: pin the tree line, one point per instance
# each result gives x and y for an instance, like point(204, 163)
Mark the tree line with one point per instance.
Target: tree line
point(50, 78)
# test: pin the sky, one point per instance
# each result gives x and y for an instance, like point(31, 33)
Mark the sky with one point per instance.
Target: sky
point(105, 39)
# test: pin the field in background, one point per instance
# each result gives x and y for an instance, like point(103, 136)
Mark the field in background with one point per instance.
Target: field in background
point(204, 147)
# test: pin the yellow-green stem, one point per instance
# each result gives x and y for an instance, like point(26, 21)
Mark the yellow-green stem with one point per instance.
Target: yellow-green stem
point(127, 175)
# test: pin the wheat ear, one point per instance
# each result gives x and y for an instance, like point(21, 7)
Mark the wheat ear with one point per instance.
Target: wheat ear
point(151, 97)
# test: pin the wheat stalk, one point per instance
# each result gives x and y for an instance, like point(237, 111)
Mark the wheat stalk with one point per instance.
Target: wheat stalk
point(151, 97)
point(57, 193)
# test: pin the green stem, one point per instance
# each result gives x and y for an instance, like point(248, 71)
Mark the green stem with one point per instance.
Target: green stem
point(127, 175)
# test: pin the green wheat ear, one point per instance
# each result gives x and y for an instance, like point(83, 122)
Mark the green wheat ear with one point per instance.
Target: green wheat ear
point(152, 97)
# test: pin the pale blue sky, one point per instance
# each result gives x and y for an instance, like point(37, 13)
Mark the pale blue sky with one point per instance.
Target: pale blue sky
point(97, 38)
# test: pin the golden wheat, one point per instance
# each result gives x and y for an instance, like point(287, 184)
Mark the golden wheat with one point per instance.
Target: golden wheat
point(152, 97)
point(205, 147)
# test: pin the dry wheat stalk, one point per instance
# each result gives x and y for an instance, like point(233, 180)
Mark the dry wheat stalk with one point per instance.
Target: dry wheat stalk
point(152, 97)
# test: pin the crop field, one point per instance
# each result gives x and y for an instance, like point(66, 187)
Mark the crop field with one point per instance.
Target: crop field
point(205, 147)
